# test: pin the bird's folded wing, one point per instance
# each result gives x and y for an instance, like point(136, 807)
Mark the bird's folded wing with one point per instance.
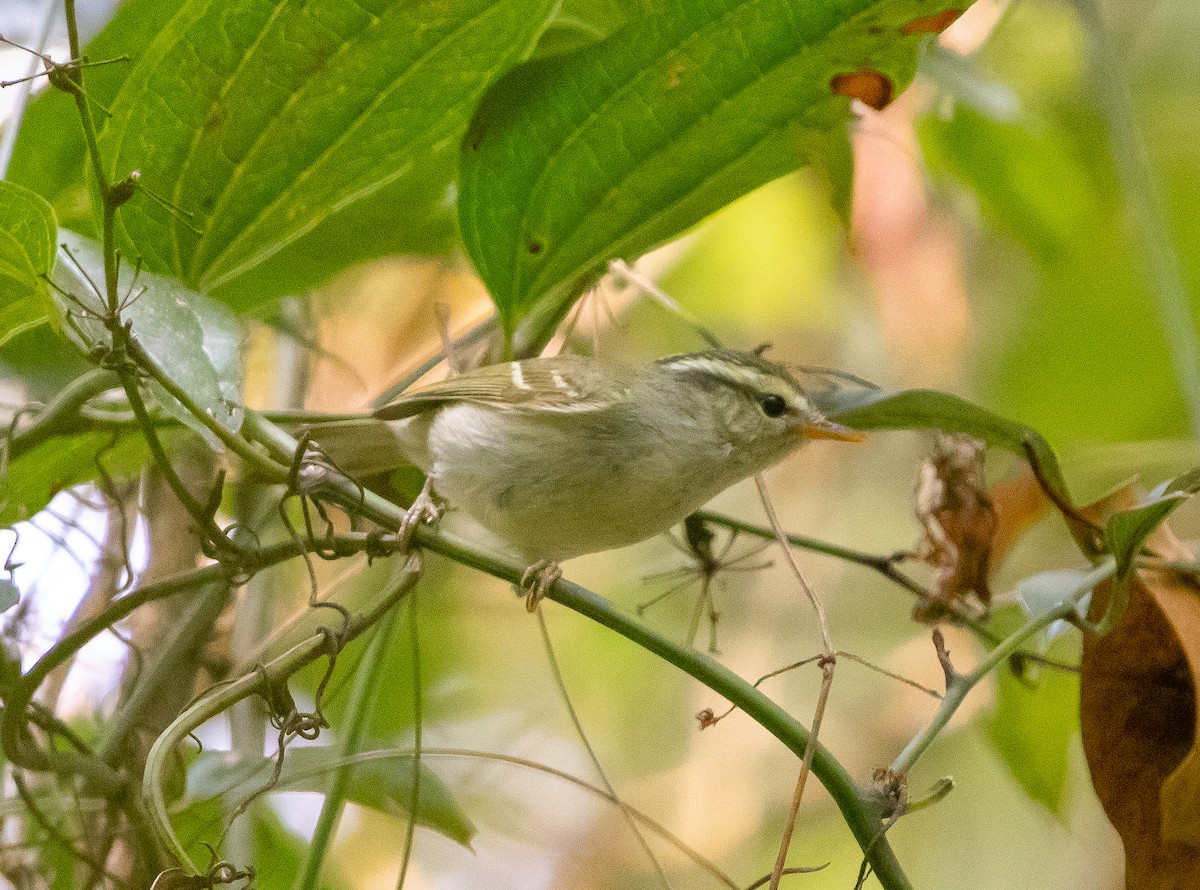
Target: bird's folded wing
point(563, 384)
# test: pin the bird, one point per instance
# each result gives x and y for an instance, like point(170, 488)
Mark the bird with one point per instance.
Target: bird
point(567, 455)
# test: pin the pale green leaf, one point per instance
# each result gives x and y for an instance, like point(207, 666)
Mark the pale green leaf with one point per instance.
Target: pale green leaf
point(196, 340)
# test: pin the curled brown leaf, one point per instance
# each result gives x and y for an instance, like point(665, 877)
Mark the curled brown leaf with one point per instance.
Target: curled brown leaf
point(1139, 715)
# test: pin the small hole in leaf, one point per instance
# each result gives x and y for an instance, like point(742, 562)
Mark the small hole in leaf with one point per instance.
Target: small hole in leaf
point(867, 85)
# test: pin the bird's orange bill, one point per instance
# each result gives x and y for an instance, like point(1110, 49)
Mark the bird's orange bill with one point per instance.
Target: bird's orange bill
point(827, 429)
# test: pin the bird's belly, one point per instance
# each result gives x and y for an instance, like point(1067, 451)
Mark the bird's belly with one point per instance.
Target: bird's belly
point(580, 494)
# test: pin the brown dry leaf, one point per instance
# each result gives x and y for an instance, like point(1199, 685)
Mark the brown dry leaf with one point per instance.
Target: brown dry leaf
point(1138, 713)
point(1019, 502)
point(968, 529)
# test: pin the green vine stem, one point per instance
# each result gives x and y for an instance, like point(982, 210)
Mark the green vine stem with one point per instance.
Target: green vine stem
point(221, 698)
point(14, 740)
point(958, 686)
point(862, 813)
point(54, 418)
point(270, 470)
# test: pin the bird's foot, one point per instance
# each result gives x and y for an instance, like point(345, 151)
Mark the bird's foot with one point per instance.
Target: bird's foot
point(424, 509)
point(537, 580)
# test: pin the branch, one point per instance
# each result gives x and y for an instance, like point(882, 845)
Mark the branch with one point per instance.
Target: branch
point(958, 686)
point(221, 698)
point(863, 816)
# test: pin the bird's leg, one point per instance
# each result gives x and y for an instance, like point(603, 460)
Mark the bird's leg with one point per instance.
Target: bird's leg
point(424, 509)
point(537, 581)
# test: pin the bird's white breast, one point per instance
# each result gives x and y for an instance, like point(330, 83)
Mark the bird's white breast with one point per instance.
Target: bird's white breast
point(555, 488)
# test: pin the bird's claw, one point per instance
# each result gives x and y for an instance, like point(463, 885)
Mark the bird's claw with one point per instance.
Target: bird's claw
point(424, 509)
point(537, 580)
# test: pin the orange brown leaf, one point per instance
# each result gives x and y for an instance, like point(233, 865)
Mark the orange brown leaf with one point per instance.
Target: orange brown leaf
point(1139, 712)
point(958, 521)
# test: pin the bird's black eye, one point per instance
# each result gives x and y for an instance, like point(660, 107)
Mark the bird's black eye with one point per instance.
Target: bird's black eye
point(773, 405)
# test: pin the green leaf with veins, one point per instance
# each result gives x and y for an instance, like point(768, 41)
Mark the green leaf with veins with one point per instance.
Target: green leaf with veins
point(1128, 530)
point(614, 148)
point(303, 137)
point(196, 340)
point(33, 479)
point(27, 228)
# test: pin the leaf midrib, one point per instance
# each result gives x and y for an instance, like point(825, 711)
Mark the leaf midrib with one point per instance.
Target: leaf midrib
point(248, 229)
point(593, 209)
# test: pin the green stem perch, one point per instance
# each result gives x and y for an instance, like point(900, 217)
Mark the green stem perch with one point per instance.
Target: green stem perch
point(65, 406)
point(862, 815)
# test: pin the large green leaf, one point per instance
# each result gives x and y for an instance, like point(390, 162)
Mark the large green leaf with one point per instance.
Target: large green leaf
point(196, 340)
point(614, 148)
point(1032, 727)
point(27, 228)
point(50, 155)
point(303, 137)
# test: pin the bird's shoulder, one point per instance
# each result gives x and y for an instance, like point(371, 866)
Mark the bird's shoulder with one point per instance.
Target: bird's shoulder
point(560, 384)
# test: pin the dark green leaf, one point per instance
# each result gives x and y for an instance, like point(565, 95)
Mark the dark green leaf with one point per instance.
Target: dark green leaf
point(869, 409)
point(612, 149)
point(196, 340)
point(384, 784)
point(289, 131)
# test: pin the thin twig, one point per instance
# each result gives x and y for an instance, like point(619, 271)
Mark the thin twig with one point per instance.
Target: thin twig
point(959, 685)
point(827, 663)
point(565, 695)
point(414, 631)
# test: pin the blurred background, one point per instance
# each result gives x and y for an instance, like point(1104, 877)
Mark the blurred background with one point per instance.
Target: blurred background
point(995, 251)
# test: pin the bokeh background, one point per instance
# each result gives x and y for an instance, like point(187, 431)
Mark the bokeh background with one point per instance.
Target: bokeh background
point(996, 251)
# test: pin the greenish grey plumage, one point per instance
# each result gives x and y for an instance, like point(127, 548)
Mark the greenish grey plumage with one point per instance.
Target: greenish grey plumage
point(570, 455)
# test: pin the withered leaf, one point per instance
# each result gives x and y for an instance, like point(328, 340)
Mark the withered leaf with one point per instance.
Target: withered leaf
point(1138, 714)
point(968, 528)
